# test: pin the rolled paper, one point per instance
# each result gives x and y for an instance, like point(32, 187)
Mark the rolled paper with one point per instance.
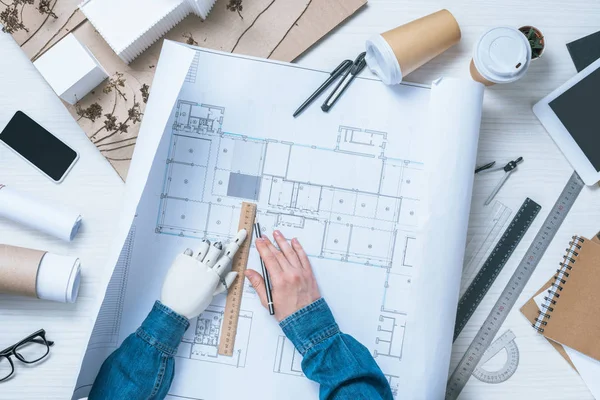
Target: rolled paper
point(52, 219)
point(36, 273)
point(398, 52)
point(455, 110)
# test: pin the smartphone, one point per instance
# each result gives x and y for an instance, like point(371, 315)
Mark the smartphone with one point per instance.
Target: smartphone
point(50, 155)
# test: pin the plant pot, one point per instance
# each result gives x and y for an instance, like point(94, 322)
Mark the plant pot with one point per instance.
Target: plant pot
point(536, 38)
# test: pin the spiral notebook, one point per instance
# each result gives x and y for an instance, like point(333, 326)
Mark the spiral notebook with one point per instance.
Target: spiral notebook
point(565, 309)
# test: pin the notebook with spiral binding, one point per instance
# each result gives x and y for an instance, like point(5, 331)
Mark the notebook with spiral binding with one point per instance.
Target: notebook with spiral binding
point(568, 304)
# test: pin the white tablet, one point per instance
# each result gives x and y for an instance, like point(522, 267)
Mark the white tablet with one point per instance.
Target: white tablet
point(571, 115)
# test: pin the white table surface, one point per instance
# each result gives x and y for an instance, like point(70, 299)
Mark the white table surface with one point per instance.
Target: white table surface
point(509, 130)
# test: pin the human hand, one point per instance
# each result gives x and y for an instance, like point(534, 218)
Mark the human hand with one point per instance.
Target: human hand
point(192, 282)
point(292, 280)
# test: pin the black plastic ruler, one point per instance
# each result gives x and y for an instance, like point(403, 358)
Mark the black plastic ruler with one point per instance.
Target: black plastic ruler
point(492, 267)
point(514, 288)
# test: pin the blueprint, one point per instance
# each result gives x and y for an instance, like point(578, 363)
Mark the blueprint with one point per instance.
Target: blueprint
point(347, 184)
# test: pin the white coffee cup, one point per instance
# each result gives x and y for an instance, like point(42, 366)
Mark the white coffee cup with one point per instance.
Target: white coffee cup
point(502, 55)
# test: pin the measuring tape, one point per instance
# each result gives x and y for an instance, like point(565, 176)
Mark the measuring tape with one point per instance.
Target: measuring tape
point(234, 295)
point(504, 342)
point(492, 267)
point(513, 289)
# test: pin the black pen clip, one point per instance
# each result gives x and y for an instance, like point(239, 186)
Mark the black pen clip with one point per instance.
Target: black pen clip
point(342, 67)
point(339, 70)
point(357, 66)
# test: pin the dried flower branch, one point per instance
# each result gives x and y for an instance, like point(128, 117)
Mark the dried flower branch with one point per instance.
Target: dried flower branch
point(110, 122)
point(115, 83)
point(46, 7)
point(12, 16)
point(134, 115)
point(236, 6)
point(190, 39)
point(93, 112)
point(145, 89)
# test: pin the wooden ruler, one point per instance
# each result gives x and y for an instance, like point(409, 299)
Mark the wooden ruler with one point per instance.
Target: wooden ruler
point(234, 295)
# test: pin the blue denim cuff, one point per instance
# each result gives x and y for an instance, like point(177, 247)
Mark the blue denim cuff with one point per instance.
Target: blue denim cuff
point(163, 329)
point(310, 326)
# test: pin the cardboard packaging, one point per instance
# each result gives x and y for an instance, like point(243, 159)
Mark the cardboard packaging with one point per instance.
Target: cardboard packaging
point(502, 55)
point(70, 69)
point(398, 52)
point(36, 273)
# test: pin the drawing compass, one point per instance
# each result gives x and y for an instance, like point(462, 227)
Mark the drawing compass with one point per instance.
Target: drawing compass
point(508, 170)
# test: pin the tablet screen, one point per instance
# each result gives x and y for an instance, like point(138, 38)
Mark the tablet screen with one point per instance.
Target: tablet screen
point(579, 111)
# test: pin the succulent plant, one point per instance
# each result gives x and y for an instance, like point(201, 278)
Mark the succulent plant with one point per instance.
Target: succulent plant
point(536, 41)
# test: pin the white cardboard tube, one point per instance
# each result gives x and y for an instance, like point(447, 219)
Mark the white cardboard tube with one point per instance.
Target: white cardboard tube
point(40, 274)
point(52, 219)
point(58, 278)
point(455, 117)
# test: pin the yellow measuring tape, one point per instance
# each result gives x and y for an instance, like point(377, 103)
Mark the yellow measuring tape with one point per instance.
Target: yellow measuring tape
point(234, 295)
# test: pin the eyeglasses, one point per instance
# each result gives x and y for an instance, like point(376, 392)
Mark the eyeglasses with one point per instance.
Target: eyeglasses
point(29, 350)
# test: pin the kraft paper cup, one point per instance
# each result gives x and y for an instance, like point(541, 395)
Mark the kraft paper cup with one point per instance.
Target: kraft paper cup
point(502, 55)
point(396, 53)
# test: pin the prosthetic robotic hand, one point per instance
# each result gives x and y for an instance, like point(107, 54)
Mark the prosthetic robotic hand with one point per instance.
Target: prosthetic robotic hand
point(192, 282)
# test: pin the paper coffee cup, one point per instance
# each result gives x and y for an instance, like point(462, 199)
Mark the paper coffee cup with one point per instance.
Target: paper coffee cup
point(396, 53)
point(502, 55)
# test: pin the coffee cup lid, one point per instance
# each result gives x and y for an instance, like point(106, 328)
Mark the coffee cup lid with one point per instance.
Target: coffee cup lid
point(382, 61)
point(502, 55)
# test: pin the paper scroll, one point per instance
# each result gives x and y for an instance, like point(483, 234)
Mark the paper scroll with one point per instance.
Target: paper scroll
point(455, 118)
point(39, 214)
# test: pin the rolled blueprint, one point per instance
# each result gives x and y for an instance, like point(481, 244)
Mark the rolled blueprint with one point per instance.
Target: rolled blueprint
point(38, 214)
point(455, 117)
point(36, 273)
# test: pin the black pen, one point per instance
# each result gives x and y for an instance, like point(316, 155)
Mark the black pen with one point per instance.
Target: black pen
point(357, 66)
point(332, 77)
point(265, 274)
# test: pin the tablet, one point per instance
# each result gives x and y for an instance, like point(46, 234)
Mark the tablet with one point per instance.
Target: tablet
point(571, 115)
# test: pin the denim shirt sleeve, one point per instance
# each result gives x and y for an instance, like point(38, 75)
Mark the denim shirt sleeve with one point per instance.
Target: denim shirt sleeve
point(342, 366)
point(143, 366)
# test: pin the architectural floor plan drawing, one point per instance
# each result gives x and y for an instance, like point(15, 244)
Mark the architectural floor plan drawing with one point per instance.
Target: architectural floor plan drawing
point(287, 359)
point(209, 171)
point(201, 340)
point(349, 184)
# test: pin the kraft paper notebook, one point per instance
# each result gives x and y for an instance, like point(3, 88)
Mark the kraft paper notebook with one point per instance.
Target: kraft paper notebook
point(567, 305)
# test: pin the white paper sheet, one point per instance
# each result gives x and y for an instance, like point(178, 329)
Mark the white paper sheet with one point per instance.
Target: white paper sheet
point(588, 368)
point(39, 214)
point(347, 183)
point(453, 132)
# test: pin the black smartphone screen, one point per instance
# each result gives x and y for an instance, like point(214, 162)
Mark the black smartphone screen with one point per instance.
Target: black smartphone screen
point(38, 146)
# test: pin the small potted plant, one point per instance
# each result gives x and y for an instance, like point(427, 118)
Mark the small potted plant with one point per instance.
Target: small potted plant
point(536, 40)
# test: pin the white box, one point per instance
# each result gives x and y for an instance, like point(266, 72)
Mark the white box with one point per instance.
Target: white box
point(70, 69)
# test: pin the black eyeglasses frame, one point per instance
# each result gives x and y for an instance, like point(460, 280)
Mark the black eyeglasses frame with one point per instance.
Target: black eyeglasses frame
point(36, 337)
